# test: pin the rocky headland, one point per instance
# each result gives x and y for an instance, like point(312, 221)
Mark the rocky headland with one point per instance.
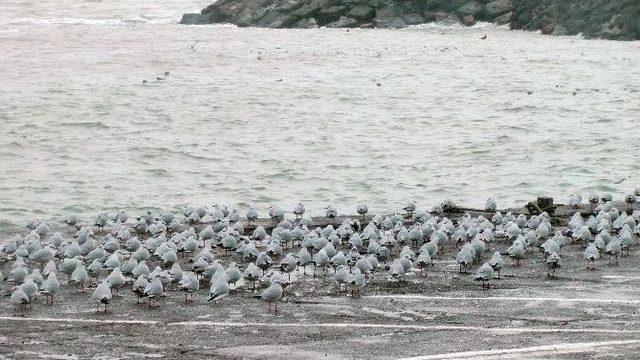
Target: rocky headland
point(610, 19)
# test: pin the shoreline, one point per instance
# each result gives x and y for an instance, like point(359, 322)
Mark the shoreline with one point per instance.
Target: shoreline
point(390, 319)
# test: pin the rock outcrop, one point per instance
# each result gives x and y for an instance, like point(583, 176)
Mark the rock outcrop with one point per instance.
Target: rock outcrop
point(609, 19)
point(613, 19)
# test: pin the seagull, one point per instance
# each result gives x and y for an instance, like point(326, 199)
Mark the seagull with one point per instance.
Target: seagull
point(19, 298)
point(115, 279)
point(71, 220)
point(356, 281)
point(50, 287)
point(362, 209)
point(42, 256)
point(102, 295)
point(94, 269)
point(189, 284)
point(516, 251)
point(410, 208)
point(140, 269)
point(233, 274)
point(574, 200)
point(30, 288)
point(331, 212)
point(320, 259)
point(263, 261)
point(464, 258)
point(553, 262)
point(484, 274)
point(491, 205)
point(176, 274)
point(252, 215)
point(298, 211)
point(364, 265)
point(80, 276)
point(18, 274)
point(252, 273)
point(303, 258)
point(272, 294)
point(591, 254)
point(613, 249)
point(341, 276)
point(219, 288)
point(164, 75)
point(139, 285)
point(496, 263)
point(424, 260)
point(276, 213)
point(153, 291)
point(397, 272)
point(289, 264)
point(49, 268)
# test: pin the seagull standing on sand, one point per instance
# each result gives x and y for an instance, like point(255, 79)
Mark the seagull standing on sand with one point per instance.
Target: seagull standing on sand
point(80, 276)
point(115, 279)
point(252, 273)
point(496, 263)
point(331, 212)
point(30, 288)
point(153, 291)
point(19, 298)
point(424, 260)
point(574, 200)
point(553, 262)
point(613, 249)
point(289, 264)
point(362, 209)
point(252, 215)
point(591, 254)
point(484, 274)
point(356, 281)
point(298, 211)
point(102, 295)
point(189, 284)
point(410, 208)
point(272, 294)
point(219, 288)
point(139, 285)
point(516, 251)
point(276, 213)
point(491, 205)
point(50, 287)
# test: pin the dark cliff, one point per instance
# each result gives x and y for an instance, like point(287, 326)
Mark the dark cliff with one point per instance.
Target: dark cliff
point(611, 19)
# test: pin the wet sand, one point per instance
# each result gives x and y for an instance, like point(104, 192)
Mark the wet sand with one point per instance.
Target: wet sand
point(444, 314)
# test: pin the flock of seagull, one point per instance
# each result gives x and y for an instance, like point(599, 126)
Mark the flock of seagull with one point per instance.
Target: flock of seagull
point(155, 254)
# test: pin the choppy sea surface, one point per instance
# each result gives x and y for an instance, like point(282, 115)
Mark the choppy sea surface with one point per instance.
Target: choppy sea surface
point(318, 116)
